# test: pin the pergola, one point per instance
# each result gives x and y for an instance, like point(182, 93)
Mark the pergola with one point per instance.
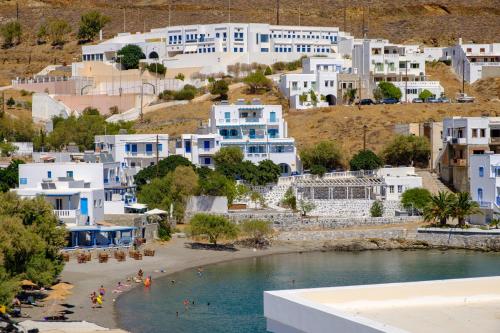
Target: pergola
point(101, 236)
point(341, 188)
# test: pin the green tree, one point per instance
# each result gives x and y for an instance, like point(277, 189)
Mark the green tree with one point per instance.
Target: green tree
point(188, 92)
point(90, 25)
point(325, 153)
point(10, 102)
point(180, 76)
point(268, 71)
point(318, 170)
point(377, 209)
point(131, 56)
point(289, 200)
point(11, 33)
point(6, 149)
point(389, 90)
point(407, 150)
point(377, 94)
point(257, 82)
point(216, 184)
point(350, 95)
point(425, 94)
point(213, 227)
point(439, 208)
point(256, 230)
point(57, 29)
point(41, 33)
point(164, 166)
point(306, 207)
point(157, 68)
point(463, 206)
point(257, 198)
point(365, 160)
point(227, 161)
point(9, 176)
point(416, 198)
point(220, 87)
point(268, 172)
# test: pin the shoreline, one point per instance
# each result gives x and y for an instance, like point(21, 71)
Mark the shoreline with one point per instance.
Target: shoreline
point(176, 256)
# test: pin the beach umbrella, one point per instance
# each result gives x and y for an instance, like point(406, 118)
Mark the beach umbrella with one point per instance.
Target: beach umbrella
point(28, 283)
point(62, 286)
point(58, 295)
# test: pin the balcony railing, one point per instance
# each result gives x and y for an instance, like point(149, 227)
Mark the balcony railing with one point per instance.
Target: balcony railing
point(66, 213)
point(495, 140)
point(485, 204)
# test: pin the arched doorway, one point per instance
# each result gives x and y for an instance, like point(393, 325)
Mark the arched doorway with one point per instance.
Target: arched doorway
point(285, 169)
point(332, 100)
point(153, 55)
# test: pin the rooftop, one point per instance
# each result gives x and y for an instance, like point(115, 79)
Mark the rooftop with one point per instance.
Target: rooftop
point(461, 305)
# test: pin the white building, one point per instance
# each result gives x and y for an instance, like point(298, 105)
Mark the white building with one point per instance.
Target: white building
point(379, 60)
point(485, 185)
point(319, 83)
point(199, 148)
point(258, 130)
point(212, 47)
point(74, 189)
point(133, 151)
point(23, 148)
point(478, 61)
point(458, 305)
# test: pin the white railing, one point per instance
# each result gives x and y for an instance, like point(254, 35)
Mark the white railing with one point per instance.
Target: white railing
point(330, 175)
point(66, 213)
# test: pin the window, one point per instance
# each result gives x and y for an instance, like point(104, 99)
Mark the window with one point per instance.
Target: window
point(400, 188)
point(469, 49)
point(391, 189)
point(149, 148)
point(95, 203)
point(235, 49)
point(474, 132)
point(241, 49)
point(187, 145)
point(160, 147)
point(133, 147)
point(415, 65)
point(480, 194)
point(305, 84)
point(264, 38)
point(207, 161)
point(482, 133)
point(264, 49)
point(481, 171)
point(100, 202)
point(69, 174)
point(206, 144)
point(23, 181)
point(481, 50)
point(49, 174)
point(294, 85)
point(127, 147)
point(223, 132)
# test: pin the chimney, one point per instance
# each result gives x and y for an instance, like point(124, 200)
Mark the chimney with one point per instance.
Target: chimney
point(100, 34)
point(460, 41)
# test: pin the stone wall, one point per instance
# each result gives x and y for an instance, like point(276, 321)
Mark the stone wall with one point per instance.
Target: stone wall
point(353, 207)
point(476, 239)
point(325, 235)
point(289, 221)
point(144, 227)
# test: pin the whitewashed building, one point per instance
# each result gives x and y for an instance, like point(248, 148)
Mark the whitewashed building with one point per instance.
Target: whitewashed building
point(379, 60)
point(258, 130)
point(133, 151)
point(75, 190)
point(212, 47)
point(474, 61)
point(319, 84)
point(485, 185)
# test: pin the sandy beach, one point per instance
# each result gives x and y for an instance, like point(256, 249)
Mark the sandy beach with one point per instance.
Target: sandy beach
point(170, 257)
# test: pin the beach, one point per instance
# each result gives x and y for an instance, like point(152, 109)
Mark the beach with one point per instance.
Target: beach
point(171, 257)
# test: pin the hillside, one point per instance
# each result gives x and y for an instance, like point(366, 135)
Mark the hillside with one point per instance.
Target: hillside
point(419, 21)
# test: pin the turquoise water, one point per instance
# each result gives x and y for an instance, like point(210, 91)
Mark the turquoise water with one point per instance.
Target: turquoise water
point(234, 289)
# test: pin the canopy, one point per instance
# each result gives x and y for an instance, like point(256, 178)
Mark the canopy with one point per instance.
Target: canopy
point(28, 283)
point(156, 211)
point(62, 286)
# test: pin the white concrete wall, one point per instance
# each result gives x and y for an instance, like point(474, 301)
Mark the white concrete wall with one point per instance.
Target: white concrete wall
point(416, 87)
point(45, 107)
point(35, 173)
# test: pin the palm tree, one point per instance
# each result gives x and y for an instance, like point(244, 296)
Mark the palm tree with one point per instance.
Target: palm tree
point(464, 206)
point(439, 207)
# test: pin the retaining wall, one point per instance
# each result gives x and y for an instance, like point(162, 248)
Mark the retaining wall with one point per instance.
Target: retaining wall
point(469, 238)
point(325, 235)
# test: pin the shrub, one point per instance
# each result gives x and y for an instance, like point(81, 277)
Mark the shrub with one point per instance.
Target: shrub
point(256, 230)
point(157, 68)
point(306, 207)
point(258, 82)
point(289, 200)
point(180, 76)
point(318, 170)
point(11, 33)
point(186, 93)
point(365, 160)
point(220, 87)
point(416, 198)
point(24, 92)
point(57, 29)
point(131, 55)
point(268, 71)
point(325, 153)
point(11, 102)
point(213, 227)
point(377, 209)
point(167, 95)
point(425, 94)
point(90, 25)
point(279, 66)
point(389, 90)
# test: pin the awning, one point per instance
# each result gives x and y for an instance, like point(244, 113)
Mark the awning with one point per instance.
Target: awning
point(156, 211)
point(137, 206)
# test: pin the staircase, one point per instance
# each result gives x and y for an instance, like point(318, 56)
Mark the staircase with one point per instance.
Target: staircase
point(432, 182)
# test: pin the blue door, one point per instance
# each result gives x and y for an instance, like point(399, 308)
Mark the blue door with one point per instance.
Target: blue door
point(272, 118)
point(252, 133)
point(480, 195)
point(206, 144)
point(84, 206)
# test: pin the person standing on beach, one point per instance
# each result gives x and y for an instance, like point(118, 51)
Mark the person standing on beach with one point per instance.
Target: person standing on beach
point(102, 291)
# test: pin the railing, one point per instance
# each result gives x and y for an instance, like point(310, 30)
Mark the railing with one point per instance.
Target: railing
point(495, 140)
point(485, 204)
point(341, 174)
point(252, 120)
point(66, 213)
point(459, 162)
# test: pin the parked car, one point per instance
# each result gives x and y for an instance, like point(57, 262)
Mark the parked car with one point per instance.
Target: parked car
point(365, 101)
point(417, 100)
point(390, 101)
point(432, 100)
point(464, 98)
point(444, 100)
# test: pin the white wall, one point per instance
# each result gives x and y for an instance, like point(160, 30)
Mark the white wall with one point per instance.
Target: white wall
point(35, 173)
point(44, 108)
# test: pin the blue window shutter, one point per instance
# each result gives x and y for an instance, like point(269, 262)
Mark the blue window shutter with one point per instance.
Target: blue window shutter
point(149, 147)
point(23, 181)
point(127, 147)
point(481, 171)
point(160, 147)
point(134, 148)
point(49, 174)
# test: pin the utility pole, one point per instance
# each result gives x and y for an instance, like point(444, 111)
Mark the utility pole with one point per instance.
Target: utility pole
point(157, 156)
point(406, 82)
point(3, 104)
point(17, 10)
point(463, 76)
point(364, 137)
point(345, 15)
point(169, 11)
point(299, 14)
point(277, 12)
point(229, 11)
point(142, 98)
point(124, 20)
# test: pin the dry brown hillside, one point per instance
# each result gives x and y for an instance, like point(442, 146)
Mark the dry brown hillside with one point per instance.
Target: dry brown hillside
point(420, 21)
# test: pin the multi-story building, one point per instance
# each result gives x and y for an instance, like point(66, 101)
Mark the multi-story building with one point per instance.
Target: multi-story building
point(485, 185)
point(74, 189)
point(323, 82)
point(133, 151)
point(258, 130)
point(212, 47)
point(379, 60)
point(462, 138)
point(474, 61)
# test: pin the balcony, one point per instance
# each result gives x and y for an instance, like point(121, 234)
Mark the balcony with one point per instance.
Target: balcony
point(495, 140)
point(66, 213)
point(252, 120)
point(459, 141)
point(460, 162)
point(485, 204)
point(206, 151)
